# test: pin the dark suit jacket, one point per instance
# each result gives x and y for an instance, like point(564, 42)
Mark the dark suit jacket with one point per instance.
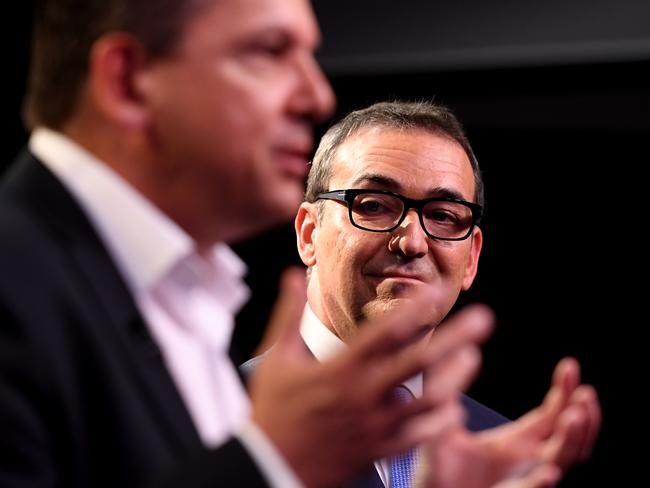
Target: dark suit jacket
point(85, 398)
point(479, 417)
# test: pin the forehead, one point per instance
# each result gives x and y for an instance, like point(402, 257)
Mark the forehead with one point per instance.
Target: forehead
point(415, 162)
point(226, 21)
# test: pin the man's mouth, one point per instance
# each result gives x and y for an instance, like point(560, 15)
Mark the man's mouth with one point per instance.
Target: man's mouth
point(291, 154)
point(397, 276)
point(292, 161)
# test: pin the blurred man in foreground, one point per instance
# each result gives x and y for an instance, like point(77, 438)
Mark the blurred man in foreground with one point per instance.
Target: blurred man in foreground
point(161, 132)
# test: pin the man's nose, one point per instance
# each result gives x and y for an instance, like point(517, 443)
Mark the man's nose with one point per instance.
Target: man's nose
point(410, 238)
point(317, 95)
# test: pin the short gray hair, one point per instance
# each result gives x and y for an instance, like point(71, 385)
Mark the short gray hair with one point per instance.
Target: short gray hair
point(430, 116)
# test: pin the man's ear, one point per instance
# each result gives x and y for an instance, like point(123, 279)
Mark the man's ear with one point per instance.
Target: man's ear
point(306, 232)
point(116, 60)
point(472, 260)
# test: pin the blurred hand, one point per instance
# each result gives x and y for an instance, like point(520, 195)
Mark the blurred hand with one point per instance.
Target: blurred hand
point(331, 420)
point(530, 452)
point(542, 476)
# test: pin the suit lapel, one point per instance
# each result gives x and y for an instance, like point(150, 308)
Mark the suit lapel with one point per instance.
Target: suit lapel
point(103, 294)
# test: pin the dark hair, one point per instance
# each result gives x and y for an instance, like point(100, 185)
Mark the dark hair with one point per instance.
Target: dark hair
point(63, 35)
point(429, 116)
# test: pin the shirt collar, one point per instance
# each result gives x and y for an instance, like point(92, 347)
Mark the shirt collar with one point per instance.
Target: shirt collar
point(324, 344)
point(145, 244)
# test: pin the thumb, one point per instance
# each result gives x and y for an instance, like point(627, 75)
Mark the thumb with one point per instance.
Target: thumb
point(283, 328)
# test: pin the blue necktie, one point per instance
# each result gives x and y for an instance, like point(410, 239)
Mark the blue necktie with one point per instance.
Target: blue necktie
point(403, 466)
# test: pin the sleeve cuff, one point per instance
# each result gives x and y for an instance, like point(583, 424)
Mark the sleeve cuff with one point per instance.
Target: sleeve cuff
point(268, 459)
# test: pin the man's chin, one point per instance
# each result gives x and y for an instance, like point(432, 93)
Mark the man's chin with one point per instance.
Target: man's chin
point(391, 295)
point(383, 304)
point(379, 308)
point(397, 288)
point(281, 204)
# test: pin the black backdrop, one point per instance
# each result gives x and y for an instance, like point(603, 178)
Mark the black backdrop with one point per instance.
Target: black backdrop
point(561, 133)
point(563, 151)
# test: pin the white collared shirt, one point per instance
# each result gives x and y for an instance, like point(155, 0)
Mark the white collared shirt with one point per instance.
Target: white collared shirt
point(324, 344)
point(187, 300)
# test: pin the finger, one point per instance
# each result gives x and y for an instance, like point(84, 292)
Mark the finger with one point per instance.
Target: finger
point(448, 378)
point(432, 426)
point(472, 324)
point(423, 417)
point(410, 321)
point(422, 429)
point(542, 476)
point(563, 448)
point(586, 397)
point(469, 327)
point(403, 325)
point(443, 389)
point(283, 329)
point(566, 377)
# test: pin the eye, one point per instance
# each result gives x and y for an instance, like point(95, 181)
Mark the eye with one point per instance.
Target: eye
point(447, 214)
point(370, 206)
point(441, 216)
point(375, 204)
point(274, 50)
point(274, 45)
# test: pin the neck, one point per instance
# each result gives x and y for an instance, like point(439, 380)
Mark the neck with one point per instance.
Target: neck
point(132, 157)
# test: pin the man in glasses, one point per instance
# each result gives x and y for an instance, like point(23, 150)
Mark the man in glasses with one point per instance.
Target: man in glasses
point(392, 205)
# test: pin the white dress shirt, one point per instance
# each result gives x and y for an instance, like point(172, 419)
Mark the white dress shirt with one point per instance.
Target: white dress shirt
point(324, 344)
point(188, 301)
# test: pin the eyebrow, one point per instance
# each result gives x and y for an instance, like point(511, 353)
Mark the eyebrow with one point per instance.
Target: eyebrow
point(390, 184)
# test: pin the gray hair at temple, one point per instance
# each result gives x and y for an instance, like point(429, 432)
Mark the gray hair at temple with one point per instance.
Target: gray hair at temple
point(429, 116)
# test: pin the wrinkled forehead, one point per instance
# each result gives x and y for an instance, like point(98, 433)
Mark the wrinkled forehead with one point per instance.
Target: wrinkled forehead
point(415, 162)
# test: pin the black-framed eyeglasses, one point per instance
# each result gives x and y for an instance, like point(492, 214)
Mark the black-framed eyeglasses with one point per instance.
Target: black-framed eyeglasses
point(442, 218)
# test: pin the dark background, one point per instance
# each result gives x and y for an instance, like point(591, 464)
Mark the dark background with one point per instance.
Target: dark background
point(555, 97)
